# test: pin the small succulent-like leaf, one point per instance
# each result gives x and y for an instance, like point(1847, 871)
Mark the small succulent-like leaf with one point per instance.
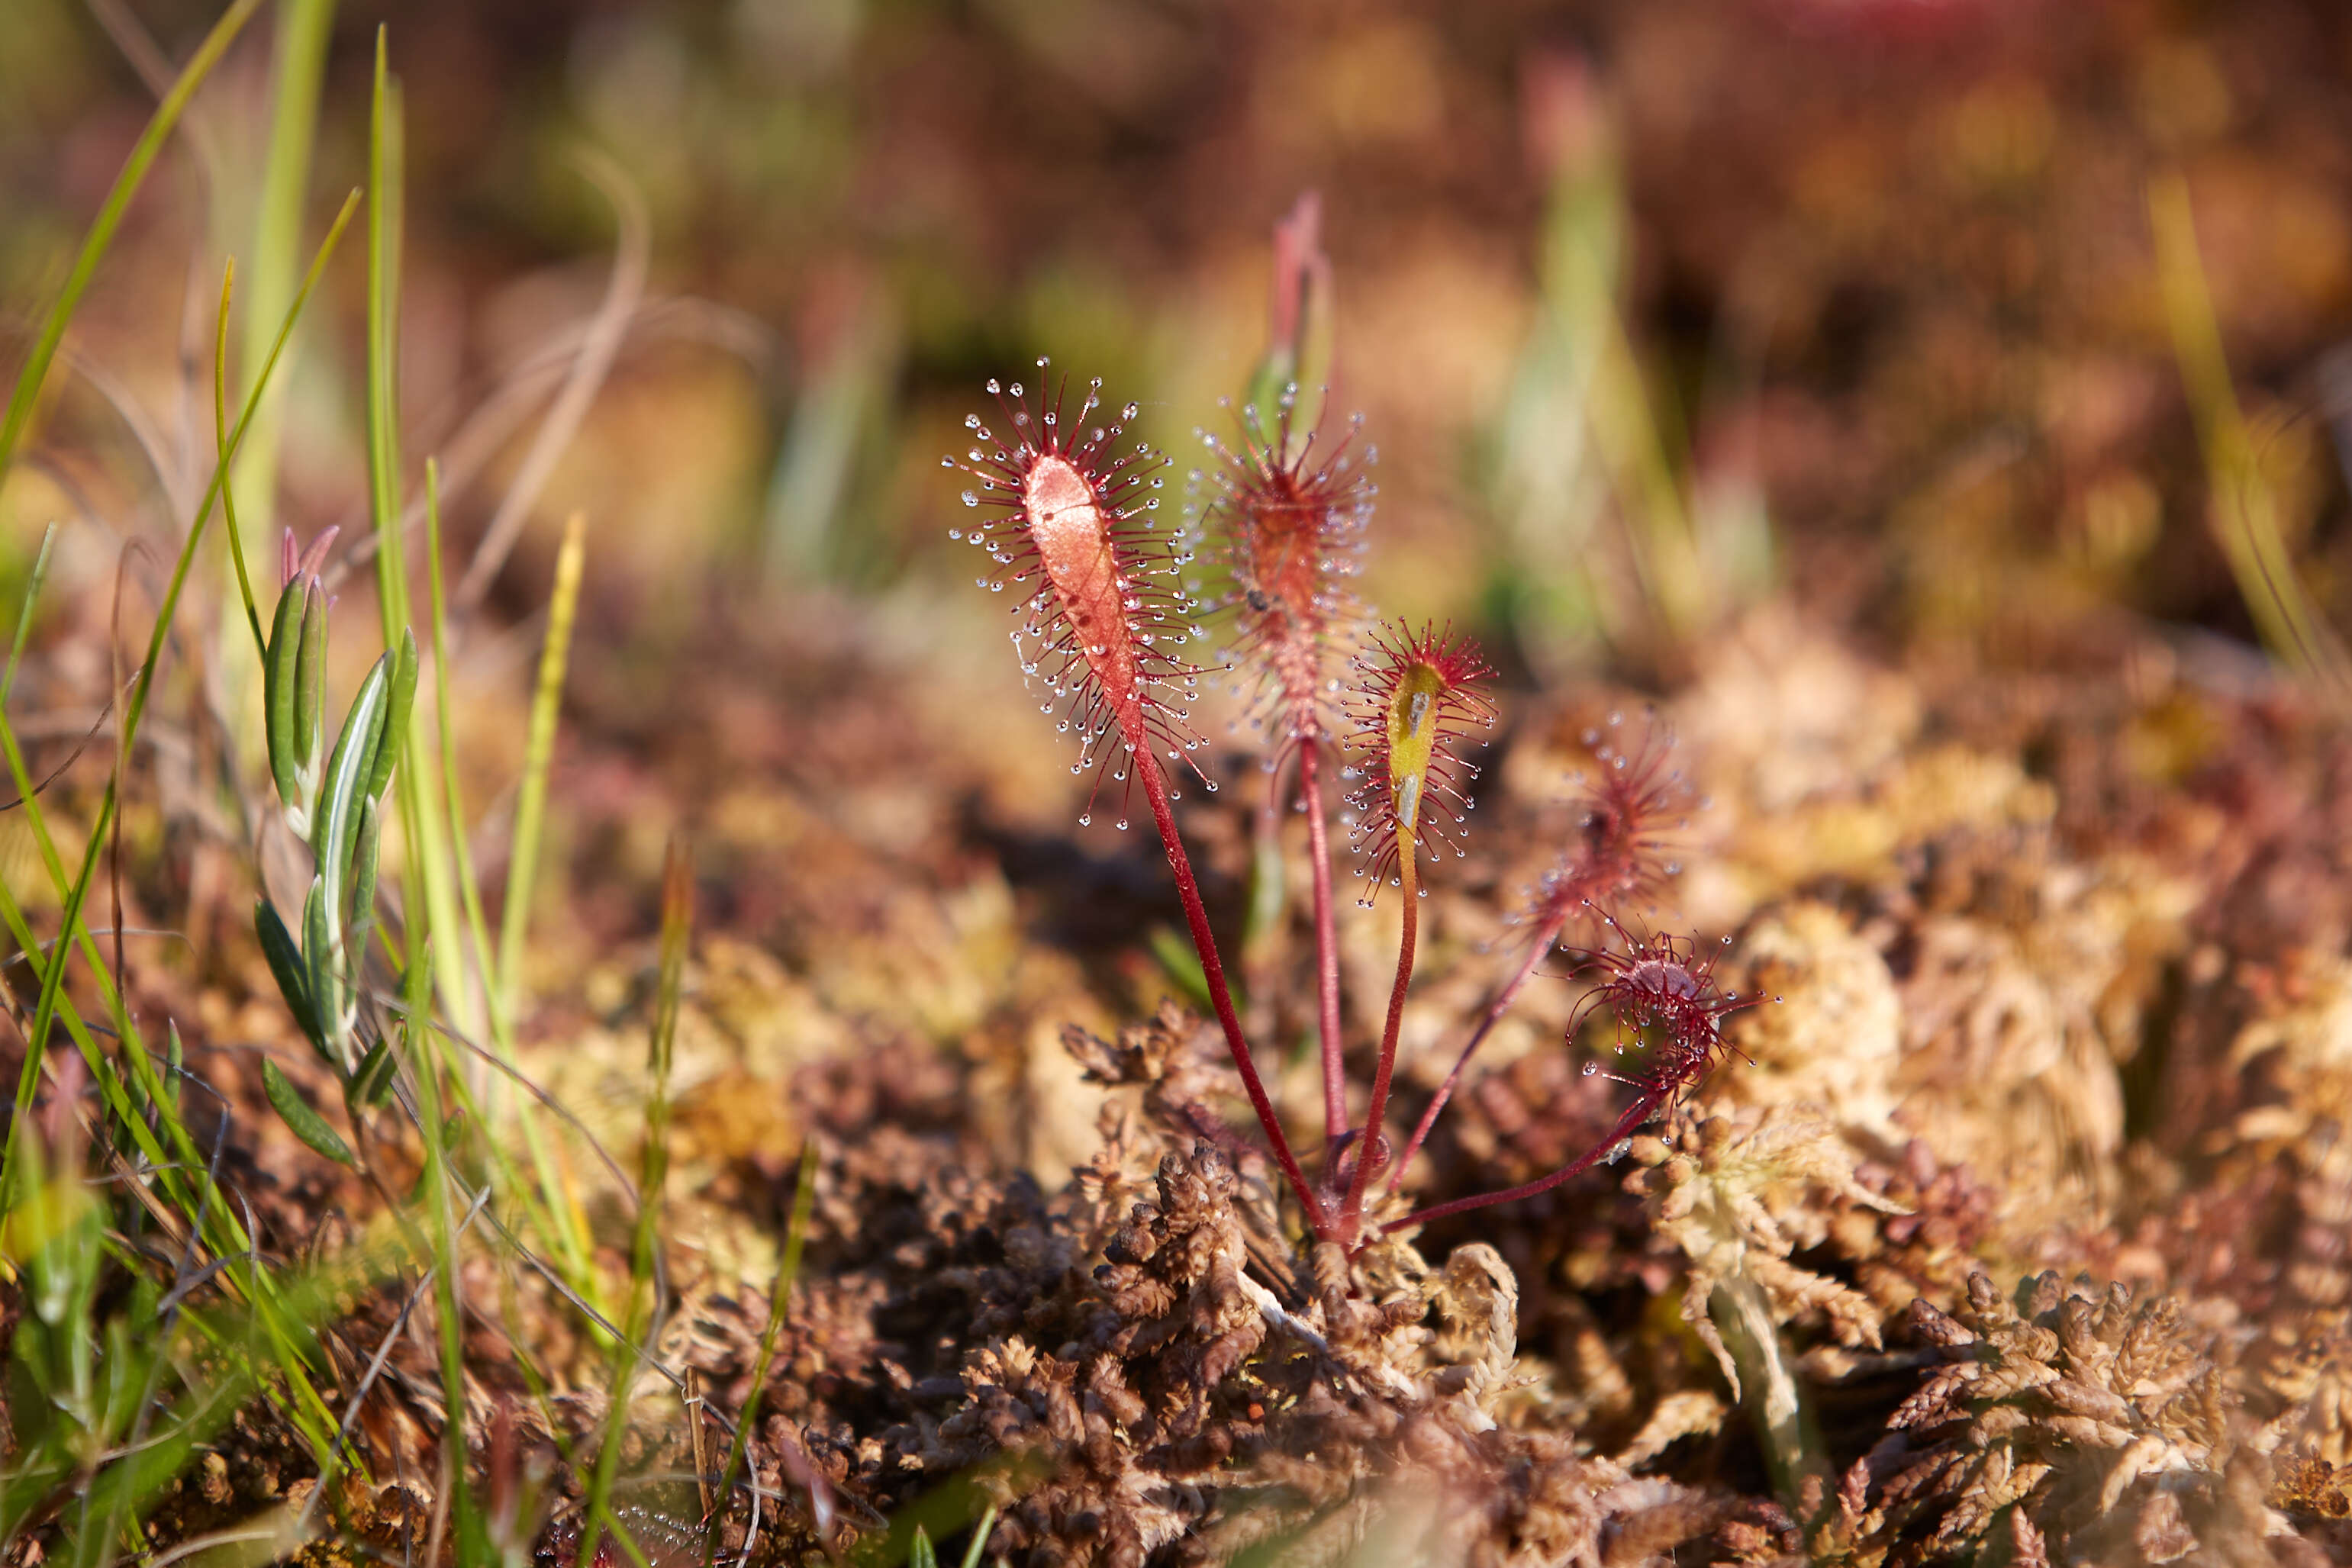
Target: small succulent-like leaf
point(287, 968)
point(358, 913)
point(344, 787)
point(395, 728)
point(278, 685)
point(300, 1120)
point(310, 679)
point(319, 963)
point(371, 1081)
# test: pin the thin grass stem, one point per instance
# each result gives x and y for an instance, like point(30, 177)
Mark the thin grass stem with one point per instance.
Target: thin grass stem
point(539, 751)
point(100, 237)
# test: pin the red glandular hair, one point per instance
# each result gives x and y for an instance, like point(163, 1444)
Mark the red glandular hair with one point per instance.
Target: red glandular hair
point(1289, 531)
point(1661, 986)
point(1069, 526)
point(1417, 695)
point(1633, 811)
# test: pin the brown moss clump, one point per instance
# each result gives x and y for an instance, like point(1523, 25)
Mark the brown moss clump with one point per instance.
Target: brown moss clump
point(2108, 1424)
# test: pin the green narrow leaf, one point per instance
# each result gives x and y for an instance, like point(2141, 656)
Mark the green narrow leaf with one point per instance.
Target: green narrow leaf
point(319, 960)
point(404, 697)
point(286, 967)
point(278, 686)
point(340, 792)
point(110, 218)
point(300, 1120)
point(177, 1056)
point(310, 683)
point(980, 1534)
point(360, 913)
point(371, 1079)
point(922, 1554)
point(1181, 964)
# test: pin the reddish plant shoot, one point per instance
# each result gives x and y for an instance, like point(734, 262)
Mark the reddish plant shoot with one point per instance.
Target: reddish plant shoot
point(1071, 525)
point(1068, 521)
point(1662, 990)
point(1289, 531)
point(1632, 812)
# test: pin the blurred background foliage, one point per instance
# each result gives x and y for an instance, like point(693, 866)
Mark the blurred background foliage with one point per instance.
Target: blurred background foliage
point(1878, 271)
point(1655, 310)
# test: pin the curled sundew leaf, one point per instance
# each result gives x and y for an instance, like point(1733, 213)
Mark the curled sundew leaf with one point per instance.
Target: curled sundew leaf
point(1418, 694)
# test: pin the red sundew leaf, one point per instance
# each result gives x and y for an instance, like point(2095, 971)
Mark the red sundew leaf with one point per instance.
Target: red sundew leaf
point(1633, 811)
point(1068, 524)
point(1661, 984)
point(1289, 531)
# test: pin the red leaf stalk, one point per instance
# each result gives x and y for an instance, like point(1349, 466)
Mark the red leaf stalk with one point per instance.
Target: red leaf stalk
point(1072, 527)
point(1660, 987)
point(1629, 816)
point(1421, 694)
point(1290, 530)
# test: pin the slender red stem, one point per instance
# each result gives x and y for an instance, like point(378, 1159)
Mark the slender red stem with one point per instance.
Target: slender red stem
point(1640, 1111)
point(1327, 944)
point(1367, 1146)
point(1496, 1008)
point(1155, 790)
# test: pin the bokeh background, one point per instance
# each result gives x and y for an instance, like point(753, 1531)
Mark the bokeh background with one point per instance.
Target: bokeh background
point(1883, 267)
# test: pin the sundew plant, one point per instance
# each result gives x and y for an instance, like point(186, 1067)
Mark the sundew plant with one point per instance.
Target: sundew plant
point(1069, 518)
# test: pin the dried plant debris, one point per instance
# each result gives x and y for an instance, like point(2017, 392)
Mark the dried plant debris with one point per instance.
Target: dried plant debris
point(1739, 1194)
point(2109, 1424)
point(1140, 1368)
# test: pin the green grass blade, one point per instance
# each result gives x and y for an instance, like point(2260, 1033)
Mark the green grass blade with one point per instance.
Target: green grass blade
point(220, 455)
point(95, 243)
point(530, 804)
point(420, 816)
point(2245, 508)
point(546, 1210)
point(980, 1534)
point(40, 575)
point(469, 887)
point(298, 66)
